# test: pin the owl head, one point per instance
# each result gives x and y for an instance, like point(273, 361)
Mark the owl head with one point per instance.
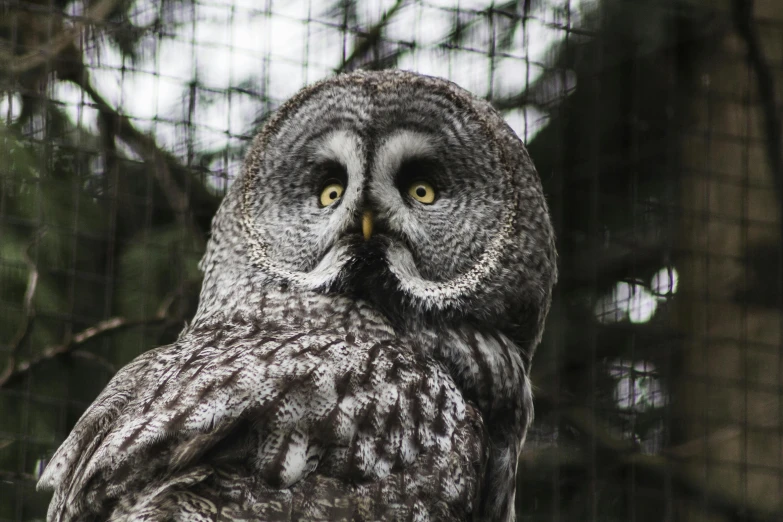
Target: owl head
point(399, 189)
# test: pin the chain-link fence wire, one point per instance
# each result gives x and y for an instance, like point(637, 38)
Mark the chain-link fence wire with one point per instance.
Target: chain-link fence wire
point(655, 126)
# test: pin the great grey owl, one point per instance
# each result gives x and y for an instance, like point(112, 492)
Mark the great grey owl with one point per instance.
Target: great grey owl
point(374, 288)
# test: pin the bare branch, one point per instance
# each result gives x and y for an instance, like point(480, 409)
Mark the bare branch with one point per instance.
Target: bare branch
point(70, 345)
point(112, 325)
point(162, 163)
point(13, 476)
point(371, 39)
point(146, 147)
point(97, 359)
point(95, 14)
point(619, 453)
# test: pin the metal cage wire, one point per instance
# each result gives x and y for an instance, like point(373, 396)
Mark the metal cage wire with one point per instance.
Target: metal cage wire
point(655, 127)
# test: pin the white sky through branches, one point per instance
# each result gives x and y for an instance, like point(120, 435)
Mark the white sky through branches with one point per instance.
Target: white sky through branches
point(247, 57)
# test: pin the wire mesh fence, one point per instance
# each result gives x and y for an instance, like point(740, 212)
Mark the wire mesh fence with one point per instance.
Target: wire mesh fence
point(656, 129)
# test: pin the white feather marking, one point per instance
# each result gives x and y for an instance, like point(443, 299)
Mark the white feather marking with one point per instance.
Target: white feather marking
point(345, 148)
point(392, 152)
point(295, 462)
point(397, 148)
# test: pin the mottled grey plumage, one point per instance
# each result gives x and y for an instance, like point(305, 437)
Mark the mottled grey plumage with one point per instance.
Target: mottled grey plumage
point(327, 376)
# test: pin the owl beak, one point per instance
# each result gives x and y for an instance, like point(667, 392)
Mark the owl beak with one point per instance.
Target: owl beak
point(367, 224)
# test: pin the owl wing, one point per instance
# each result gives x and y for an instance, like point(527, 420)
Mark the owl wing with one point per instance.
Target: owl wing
point(238, 423)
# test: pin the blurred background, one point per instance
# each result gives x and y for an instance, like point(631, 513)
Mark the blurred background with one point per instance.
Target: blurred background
point(656, 129)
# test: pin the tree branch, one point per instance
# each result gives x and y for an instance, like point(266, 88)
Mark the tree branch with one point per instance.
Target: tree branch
point(146, 147)
point(164, 165)
point(71, 345)
point(372, 38)
point(60, 42)
point(743, 22)
point(13, 476)
point(112, 325)
point(619, 453)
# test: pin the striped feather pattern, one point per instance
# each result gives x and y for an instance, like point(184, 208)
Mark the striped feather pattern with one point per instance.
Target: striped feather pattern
point(236, 422)
point(328, 376)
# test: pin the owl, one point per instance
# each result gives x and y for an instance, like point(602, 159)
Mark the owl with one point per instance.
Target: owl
point(375, 285)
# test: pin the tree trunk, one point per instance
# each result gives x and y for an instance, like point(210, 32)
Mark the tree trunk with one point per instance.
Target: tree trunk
point(727, 401)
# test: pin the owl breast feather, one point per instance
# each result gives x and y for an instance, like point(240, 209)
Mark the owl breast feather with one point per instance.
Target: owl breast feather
point(239, 422)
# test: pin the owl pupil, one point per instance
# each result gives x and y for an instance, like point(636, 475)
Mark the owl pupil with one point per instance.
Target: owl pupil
point(333, 194)
point(421, 192)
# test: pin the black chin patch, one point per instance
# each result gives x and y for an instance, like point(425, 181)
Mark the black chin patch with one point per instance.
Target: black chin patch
point(367, 276)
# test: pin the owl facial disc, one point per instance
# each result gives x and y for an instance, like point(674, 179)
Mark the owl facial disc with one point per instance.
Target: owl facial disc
point(428, 177)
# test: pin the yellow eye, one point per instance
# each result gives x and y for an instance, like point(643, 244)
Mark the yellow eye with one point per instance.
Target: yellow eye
point(422, 191)
point(330, 194)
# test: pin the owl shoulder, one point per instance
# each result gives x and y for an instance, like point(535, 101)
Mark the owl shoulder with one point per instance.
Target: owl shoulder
point(290, 402)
